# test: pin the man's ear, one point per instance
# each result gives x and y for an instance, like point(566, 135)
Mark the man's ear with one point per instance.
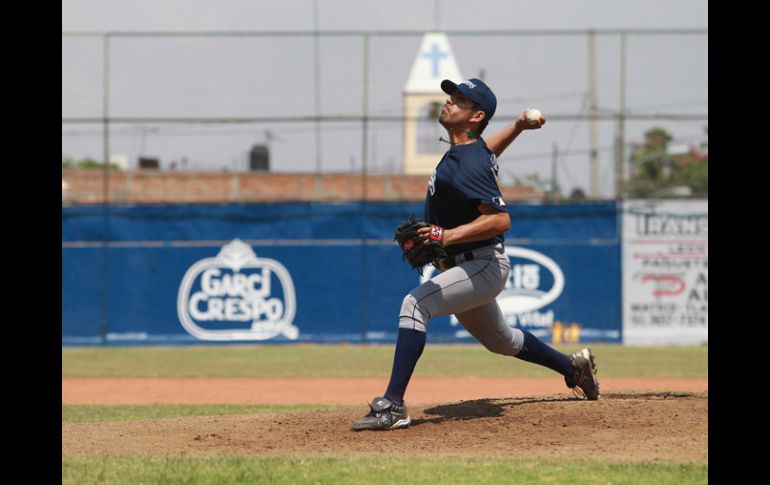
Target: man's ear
point(478, 117)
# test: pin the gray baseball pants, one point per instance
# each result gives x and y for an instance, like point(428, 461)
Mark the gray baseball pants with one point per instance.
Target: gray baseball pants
point(468, 291)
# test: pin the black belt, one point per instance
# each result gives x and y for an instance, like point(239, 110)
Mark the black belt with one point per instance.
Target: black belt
point(452, 261)
point(468, 255)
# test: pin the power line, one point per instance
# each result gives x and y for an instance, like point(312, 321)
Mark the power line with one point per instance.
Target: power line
point(583, 151)
point(679, 105)
point(227, 132)
point(223, 120)
point(560, 161)
point(385, 33)
point(567, 95)
point(525, 157)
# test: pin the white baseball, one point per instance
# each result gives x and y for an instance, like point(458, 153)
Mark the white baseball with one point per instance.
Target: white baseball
point(533, 116)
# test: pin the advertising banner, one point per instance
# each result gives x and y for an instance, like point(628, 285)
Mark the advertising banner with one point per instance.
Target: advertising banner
point(274, 273)
point(665, 272)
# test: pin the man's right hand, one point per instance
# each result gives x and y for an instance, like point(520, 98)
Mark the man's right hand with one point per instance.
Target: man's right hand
point(522, 123)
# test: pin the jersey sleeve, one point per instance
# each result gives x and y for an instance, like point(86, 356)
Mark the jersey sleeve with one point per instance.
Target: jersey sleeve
point(479, 184)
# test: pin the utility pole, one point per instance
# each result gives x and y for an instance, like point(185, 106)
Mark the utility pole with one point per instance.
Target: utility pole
point(621, 140)
point(554, 175)
point(104, 321)
point(593, 113)
point(317, 85)
point(319, 191)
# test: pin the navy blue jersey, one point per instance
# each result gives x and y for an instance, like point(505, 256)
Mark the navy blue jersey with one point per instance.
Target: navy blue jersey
point(465, 177)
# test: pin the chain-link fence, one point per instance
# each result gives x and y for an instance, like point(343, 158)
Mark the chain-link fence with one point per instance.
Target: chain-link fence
point(332, 102)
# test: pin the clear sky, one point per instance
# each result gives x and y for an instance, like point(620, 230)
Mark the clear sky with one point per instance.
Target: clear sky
point(259, 77)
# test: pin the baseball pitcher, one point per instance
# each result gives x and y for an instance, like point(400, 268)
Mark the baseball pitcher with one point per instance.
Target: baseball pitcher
point(461, 234)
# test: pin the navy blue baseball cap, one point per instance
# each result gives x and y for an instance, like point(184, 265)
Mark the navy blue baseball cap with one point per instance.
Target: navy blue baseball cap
point(475, 90)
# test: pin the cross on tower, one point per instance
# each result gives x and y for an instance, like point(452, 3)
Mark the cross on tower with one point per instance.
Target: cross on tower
point(435, 56)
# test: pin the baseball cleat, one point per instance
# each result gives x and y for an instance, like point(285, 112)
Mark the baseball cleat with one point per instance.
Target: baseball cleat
point(583, 380)
point(383, 414)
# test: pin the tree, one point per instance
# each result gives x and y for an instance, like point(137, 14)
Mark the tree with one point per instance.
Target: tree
point(656, 171)
point(534, 180)
point(87, 163)
point(577, 195)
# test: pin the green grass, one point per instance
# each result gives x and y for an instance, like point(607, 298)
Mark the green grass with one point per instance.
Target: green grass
point(362, 360)
point(91, 413)
point(218, 469)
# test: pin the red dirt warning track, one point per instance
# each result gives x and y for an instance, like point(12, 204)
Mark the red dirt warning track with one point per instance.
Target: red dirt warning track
point(337, 390)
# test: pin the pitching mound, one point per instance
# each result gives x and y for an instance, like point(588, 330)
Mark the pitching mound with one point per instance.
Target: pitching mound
point(623, 426)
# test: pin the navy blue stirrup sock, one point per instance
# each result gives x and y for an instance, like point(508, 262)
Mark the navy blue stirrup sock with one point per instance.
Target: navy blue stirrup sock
point(540, 353)
point(409, 348)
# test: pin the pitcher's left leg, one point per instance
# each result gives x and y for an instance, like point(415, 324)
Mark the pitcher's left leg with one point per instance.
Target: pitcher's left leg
point(487, 324)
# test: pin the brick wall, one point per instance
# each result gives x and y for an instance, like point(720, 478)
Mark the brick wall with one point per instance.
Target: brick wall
point(155, 187)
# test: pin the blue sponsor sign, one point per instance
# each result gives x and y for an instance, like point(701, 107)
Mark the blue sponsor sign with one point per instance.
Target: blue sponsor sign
point(314, 273)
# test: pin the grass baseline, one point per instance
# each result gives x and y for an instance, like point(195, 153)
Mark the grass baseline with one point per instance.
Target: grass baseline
point(305, 360)
point(340, 469)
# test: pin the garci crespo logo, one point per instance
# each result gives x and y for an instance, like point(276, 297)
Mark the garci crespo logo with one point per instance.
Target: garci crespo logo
point(535, 281)
point(236, 290)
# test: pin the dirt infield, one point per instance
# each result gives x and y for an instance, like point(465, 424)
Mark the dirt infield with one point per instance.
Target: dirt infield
point(670, 423)
point(636, 427)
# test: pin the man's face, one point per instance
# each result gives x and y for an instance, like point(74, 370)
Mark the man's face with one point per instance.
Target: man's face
point(457, 110)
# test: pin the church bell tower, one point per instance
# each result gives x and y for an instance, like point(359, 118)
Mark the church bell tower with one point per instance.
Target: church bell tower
point(423, 99)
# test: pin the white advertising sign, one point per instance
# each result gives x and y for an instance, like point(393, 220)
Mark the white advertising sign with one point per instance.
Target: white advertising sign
point(232, 297)
point(665, 272)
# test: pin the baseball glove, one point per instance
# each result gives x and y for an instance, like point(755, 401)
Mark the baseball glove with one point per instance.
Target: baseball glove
point(416, 249)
